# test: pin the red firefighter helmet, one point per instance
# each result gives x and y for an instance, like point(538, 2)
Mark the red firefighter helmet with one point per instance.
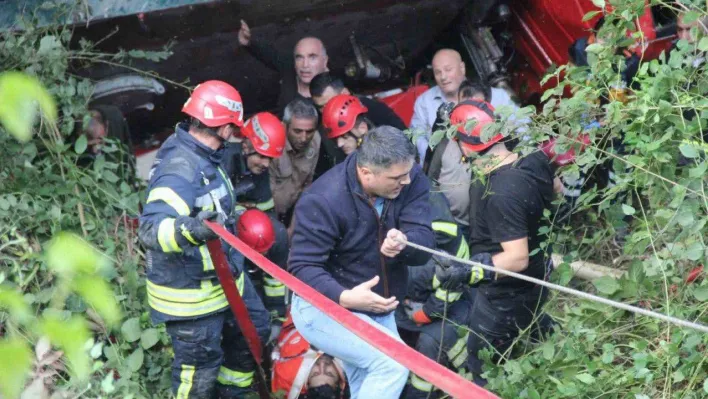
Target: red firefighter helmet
point(256, 230)
point(266, 133)
point(215, 103)
point(480, 111)
point(340, 113)
point(549, 148)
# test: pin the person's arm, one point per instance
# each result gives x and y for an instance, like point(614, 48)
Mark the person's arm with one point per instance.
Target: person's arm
point(415, 220)
point(420, 115)
point(314, 236)
point(170, 197)
point(263, 51)
point(279, 196)
point(508, 225)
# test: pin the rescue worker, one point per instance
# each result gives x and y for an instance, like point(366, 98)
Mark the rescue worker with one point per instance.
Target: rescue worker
point(506, 213)
point(449, 70)
point(346, 245)
point(247, 164)
point(446, 167)
point(434, 311)
point(187, 186)
point(345, 121)
point(308, 58)
point(295, 170)
point(298, 368)
point(324, 86)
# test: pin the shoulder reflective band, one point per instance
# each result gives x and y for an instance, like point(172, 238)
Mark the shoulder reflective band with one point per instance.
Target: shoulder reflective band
point(428, 369)
point(238, 307)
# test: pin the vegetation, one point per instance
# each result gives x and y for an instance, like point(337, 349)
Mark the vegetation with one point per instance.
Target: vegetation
point(73, 316)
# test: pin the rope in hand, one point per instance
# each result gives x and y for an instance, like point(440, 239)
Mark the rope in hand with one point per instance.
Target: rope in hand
point(581, 294)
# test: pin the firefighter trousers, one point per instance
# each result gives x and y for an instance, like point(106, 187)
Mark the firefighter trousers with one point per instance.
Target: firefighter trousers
point(444, 341)
point(212, 358)
point(497, 321)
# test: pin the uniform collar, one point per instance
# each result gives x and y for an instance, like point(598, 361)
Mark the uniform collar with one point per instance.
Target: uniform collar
point(182, 131)
point(352, 180)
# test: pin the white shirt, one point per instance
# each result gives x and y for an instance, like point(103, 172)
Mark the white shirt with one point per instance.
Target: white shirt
point(425, 111)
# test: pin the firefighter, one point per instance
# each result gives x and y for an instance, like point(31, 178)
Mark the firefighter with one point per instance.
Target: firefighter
point(187, 187)
point(506, 211)
point(345, 121)
point(299, 368)
point(427, 303)
point(247, 165)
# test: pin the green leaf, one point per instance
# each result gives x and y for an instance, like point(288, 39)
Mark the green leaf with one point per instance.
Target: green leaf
point(705, 385)
point(690, 17)
point(606, 285)
point(701, 293)
point(13, 301)
point(15, 361)
point(20, 95)
point(586, 378)
point(70, 336)
point(110, 176)
point(81, 144)
point(68, 254)
point(628, 209)
point(599, 3)
point(107, 383)
point(131, 329)
point(688, 150)
point(590, 15)
point(703, 44)
point(149, 338)
point(97, 293)
point(548, 350)
point(135, 360)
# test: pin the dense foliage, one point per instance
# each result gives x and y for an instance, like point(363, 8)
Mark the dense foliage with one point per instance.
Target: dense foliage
point(73, 317)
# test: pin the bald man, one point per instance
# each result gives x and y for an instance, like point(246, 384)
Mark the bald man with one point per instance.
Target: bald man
point(449, 70)
point(309, 59)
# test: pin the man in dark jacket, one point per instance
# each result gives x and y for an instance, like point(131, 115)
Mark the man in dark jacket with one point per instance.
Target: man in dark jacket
point(346, 246)
point(324, 86)
point(296, 69)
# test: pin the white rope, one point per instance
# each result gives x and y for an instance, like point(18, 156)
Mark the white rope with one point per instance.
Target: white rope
point(581, 294)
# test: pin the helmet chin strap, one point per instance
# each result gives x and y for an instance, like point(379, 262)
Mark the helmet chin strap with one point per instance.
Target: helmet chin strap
point(358, 140)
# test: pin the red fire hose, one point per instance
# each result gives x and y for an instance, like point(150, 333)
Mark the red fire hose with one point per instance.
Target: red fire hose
point(238, 307)
point(441, 377)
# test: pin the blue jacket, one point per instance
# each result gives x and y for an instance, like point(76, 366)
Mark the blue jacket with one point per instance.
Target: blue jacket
point(338, 234)
point(181, 281)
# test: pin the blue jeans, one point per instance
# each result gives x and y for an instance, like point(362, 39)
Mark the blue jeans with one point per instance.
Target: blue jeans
point(370, 373)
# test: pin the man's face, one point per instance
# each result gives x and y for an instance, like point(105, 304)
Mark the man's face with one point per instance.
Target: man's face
point(449, 71)
point(323, 373)
point(300, 132)
point(327, 95)
point(683, 30)
point(257, 163)
point(310, 59)
point(348, 143)
point(387, 183)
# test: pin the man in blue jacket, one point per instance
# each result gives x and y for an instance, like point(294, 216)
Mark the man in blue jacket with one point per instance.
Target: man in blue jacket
point(346, 245)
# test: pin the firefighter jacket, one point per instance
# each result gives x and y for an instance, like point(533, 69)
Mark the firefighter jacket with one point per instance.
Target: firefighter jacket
point(185, 179)
point(292, 359)
point(250, 188)
point(422, 285)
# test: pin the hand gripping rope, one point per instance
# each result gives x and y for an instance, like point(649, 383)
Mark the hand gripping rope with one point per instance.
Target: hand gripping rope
point(441, 377)
point(581, 294)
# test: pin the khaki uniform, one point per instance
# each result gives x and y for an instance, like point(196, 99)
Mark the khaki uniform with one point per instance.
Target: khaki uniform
point(292, 173)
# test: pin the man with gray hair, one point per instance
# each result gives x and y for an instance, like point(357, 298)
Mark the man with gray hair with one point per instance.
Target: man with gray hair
point(292, 173)
point(347, 245)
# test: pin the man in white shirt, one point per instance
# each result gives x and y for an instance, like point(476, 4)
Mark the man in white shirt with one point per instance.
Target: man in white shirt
point(449, 70)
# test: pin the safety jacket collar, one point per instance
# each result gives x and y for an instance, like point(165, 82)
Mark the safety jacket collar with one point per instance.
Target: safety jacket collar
point(195, 145)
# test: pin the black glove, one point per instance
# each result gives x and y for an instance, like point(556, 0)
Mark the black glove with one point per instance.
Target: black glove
point(195, 230)
point(454, 275)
